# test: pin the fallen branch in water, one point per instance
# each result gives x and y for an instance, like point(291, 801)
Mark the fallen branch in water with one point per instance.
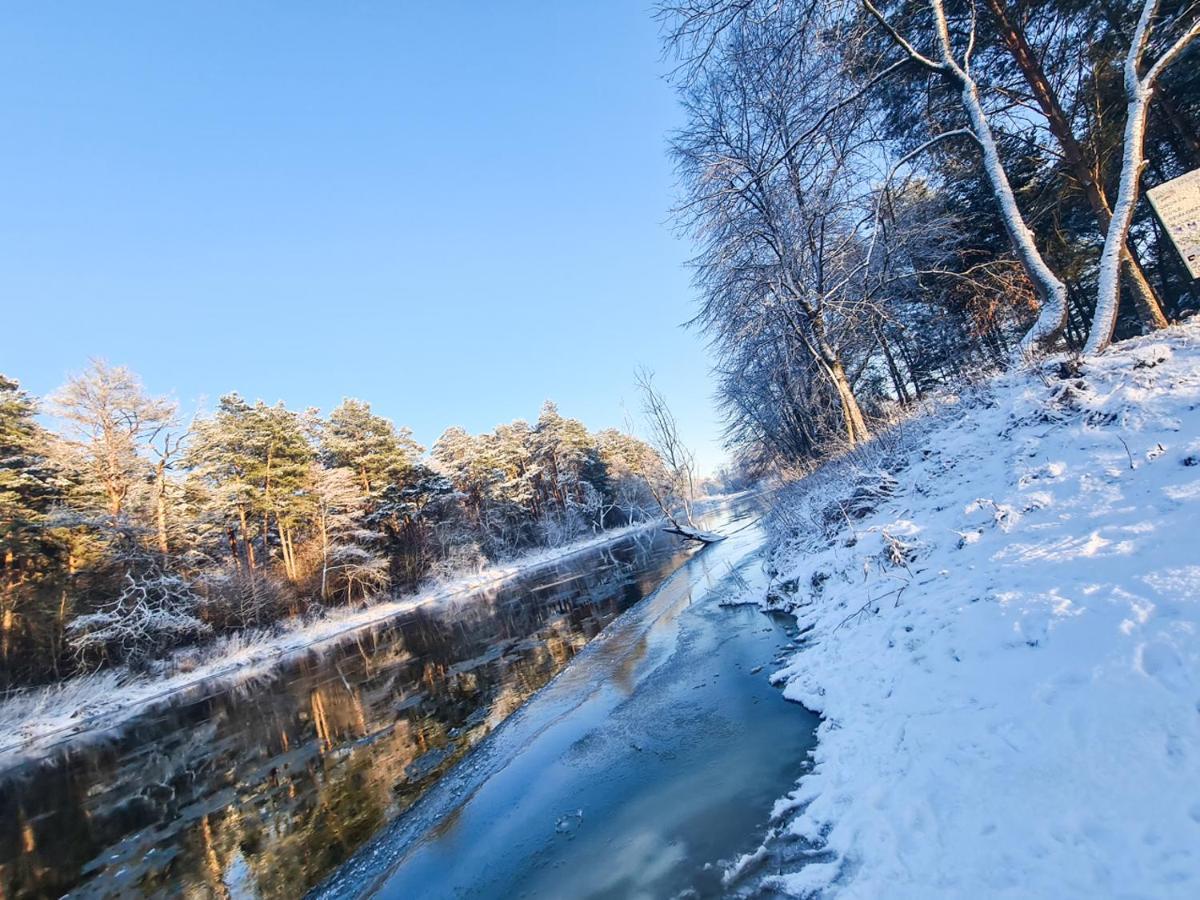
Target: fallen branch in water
point(693, 534)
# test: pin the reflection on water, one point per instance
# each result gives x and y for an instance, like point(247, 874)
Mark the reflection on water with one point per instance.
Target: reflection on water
point(263, 790)
point(643, 771)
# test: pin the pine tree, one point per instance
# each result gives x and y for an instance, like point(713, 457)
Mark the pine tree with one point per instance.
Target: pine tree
point(372, 447)
point(31, 552)
point(255, 461)
point(113, 421)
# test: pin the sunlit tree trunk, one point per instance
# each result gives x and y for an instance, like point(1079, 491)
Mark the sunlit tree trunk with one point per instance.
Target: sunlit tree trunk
point(1051, 290)
point(1139, 90)
point(1082, 166)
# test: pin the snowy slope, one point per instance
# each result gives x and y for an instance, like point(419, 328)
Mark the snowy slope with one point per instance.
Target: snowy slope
point(1004, 604)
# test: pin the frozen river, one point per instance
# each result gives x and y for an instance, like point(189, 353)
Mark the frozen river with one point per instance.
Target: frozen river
point(653, 758)
point(428, 757)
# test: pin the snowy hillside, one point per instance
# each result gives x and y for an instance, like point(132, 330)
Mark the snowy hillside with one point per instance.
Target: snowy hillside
point(1001, 620)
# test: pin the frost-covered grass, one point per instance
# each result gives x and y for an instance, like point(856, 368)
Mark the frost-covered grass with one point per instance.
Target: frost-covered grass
point(1000, 604)
point(35, 722)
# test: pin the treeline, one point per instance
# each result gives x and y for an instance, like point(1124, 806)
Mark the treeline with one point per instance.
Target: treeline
point(130, 533)
point(891, 195)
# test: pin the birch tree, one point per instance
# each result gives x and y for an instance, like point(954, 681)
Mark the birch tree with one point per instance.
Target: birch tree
point(1139, 89)
point(953, 63)
point(1082, 162)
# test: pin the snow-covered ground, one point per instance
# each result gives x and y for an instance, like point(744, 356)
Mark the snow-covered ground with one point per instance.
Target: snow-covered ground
point(1000, 603)
point(35, 722)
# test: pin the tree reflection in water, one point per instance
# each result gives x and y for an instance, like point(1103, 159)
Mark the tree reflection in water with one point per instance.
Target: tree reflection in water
point(263, 789)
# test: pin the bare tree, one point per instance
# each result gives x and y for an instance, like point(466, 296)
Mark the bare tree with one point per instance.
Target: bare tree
point(155, 610)
point(777, 208)
point(676, 494)
point(167, 448)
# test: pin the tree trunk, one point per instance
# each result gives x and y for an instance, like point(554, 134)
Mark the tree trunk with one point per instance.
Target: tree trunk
point(8, 616)
point(324, 558)
point(1138, 91)
point(893, 369)
point(1050, 289)
point(267, 509)
point(160, 476)
point(285, 549)
point(233, 548)
point(246, 542)
point(1104, 320)
point(60, 625)
point(906, 355)
point(852, 417)
point(1082, 166)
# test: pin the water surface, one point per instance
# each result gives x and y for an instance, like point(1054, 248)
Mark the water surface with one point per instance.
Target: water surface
point(264, 790)
point(651, 762)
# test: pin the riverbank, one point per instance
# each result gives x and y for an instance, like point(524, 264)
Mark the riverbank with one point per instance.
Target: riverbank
point(37, 722)
point(1000, 602)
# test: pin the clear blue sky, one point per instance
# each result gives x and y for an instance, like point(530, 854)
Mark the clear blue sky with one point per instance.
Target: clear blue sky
point(453, 210)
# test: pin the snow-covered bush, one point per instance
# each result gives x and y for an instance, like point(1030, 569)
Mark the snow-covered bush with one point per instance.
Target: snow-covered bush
point(458, 559)
point(154, 612)
point(234, 599)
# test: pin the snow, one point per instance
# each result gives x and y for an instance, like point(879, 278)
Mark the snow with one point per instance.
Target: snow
point(35, 723)
point(1000, 602)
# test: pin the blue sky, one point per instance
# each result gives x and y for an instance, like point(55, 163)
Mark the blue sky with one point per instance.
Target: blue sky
point(453, 210)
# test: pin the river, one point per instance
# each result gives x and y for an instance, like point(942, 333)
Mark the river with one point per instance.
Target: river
point(427, 757)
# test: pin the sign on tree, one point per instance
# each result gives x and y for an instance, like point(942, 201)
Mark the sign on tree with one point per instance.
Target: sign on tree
point(1177, 205)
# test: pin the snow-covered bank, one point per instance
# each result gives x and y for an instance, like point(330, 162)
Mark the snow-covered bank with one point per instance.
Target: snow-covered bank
point(1001, 610)
point(36, 722)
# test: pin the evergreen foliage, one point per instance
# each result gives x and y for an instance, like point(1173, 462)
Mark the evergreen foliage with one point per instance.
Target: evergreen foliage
point(128, 535)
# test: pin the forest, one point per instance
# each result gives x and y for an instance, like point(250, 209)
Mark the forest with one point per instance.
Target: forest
point(134, 532)
point(894, 197)
point(888, 198)
point(932, 630)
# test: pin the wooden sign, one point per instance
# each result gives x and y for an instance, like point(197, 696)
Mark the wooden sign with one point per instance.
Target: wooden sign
point(1177, 205)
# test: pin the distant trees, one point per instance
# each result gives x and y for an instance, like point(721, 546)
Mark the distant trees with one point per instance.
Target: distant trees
point(131, 534)
point(631, 468)
point(252, 464)
point(351, 561)
point(375, 450)
point(887, 194)
point(542, 483)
